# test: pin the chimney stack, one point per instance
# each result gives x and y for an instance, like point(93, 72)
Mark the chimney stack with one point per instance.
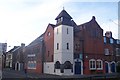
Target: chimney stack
point(108, 34)
point(22, 45)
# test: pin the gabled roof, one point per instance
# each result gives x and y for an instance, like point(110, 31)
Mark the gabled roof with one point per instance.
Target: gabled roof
point(90, 23)
point(15, 47)
point(40, 38)
point(37, 40)
point(52, 25)
point(63, 13)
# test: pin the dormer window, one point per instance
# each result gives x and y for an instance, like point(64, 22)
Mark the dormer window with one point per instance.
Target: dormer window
point(111, 40)
point(60, 20)
point(118, 41)
point(63, 18)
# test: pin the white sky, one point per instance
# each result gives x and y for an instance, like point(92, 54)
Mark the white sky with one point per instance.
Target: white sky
point(22, 21)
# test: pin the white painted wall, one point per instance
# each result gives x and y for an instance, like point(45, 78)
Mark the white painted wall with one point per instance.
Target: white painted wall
point(63, 54)
point(63, 38)
point(49, 67)
point(66, 72)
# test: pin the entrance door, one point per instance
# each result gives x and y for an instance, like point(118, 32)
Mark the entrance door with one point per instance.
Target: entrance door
point(113, 67)
point(106, 67)
point(77, 67)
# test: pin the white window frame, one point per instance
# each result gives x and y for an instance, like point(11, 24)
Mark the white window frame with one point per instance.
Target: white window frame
point(117, 51)
point(31, 55)
point(92, 68)
point(106, 51)
point(29, 62)
point(100, 66)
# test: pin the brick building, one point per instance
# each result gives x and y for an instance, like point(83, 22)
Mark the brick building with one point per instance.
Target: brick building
point(18, 57)
point(67, 49)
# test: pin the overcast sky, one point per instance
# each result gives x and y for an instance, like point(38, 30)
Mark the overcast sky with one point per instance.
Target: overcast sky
point(22, 21)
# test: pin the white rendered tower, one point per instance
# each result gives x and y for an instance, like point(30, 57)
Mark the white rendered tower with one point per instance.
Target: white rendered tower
point(63, 44)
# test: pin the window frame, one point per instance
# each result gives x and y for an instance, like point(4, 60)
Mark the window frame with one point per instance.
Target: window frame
point(111, 41)
point(48, 34)
point(99, 66)
point(105, 40)
point(33, 63)
point(106, 51)
point(93, 64)
point(67, 46)
point(117, 51)
point(57, 46)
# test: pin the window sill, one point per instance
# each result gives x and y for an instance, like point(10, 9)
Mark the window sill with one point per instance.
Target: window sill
point(31, 68)
point(92, 69)
point(99, 68)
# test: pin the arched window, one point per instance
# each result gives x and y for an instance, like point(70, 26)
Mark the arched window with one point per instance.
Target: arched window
point(67, 65)
point(92, 64)
point(67, 46)
point(57, 46)
point(99, 64)
point(57, 65)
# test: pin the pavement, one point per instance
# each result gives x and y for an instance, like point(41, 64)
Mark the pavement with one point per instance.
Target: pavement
point(13, 74)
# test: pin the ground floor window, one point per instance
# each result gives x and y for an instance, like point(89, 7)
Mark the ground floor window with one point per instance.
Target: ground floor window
point(31, 64)
point(99, 64)
point(67, 65)
point(57, 65)
point(92, 64)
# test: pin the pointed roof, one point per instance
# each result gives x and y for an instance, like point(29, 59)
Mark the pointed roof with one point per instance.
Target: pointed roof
point(63, 13)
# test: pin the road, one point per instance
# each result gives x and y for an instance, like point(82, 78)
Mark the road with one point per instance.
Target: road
point(16, 75)
point(7, 73)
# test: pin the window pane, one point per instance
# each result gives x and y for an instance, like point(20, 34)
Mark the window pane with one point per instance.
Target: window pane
point(57, 46)
point(93, 64)
point(106, 51)
point(67, 45)
point(104, 39)
point(111, 41)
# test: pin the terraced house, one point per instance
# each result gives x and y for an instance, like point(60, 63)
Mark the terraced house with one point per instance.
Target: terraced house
point(66, 48)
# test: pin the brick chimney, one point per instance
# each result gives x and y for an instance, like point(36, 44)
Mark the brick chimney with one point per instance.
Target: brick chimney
point(22, 45)
point(108, 34)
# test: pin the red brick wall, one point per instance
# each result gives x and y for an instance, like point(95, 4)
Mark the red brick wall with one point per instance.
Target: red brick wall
point(93, 45)
point(49, 44)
